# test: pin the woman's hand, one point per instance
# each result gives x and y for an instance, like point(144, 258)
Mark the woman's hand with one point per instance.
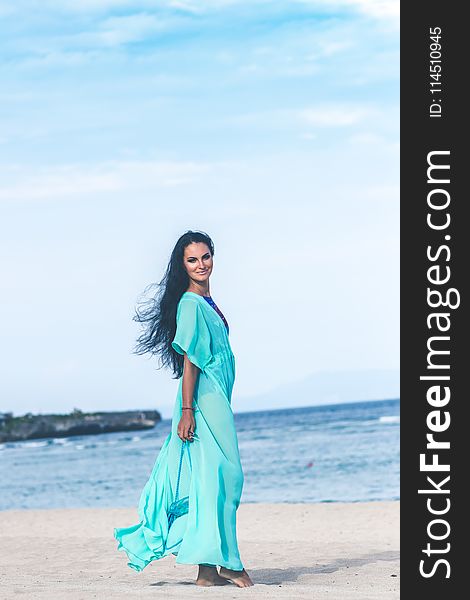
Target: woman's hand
point(187, 426)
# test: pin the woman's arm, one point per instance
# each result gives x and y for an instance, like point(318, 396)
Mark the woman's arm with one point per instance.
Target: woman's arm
point(190, 373)
point(187, 422)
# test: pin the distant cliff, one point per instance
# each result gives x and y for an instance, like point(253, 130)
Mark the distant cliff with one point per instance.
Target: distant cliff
point(29, 426)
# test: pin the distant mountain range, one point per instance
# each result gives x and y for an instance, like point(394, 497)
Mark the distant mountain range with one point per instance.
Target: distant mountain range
point(326, 387)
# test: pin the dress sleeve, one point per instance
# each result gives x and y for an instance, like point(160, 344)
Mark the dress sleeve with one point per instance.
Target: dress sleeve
point(192, 334)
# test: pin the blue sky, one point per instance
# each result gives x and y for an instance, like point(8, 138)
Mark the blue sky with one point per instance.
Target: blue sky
point(272, 126)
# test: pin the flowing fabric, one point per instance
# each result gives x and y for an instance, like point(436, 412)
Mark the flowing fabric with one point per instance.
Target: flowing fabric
point(211, 471)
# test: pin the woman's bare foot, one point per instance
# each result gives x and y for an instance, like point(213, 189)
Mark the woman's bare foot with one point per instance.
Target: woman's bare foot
point(240, 578)
point(208, 576)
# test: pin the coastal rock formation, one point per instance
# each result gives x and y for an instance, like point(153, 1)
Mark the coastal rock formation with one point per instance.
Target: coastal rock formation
point(29, 426)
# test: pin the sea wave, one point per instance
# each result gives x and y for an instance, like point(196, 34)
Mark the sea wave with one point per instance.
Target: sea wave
point(29, 444)
point(390, 419)
point(347, 453)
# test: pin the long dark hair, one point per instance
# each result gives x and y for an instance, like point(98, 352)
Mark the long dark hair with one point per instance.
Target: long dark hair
point(158, 314)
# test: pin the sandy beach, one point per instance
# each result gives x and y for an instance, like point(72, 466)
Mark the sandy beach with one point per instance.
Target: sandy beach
point(310, 551)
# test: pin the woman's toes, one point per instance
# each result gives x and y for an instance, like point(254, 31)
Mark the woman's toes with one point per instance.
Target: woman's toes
point(239, 578)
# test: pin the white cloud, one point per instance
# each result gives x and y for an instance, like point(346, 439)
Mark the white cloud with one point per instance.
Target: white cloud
point(366, 137)
point(334, 116)
point(80, 180)
point(383, 9)
point(308, 136)
point(329, 48)
point(129, 28)
point(322, 115)
point(380, 9)
point(89, 6)
point(58, 182)
point(58, 59)
point(116, 31)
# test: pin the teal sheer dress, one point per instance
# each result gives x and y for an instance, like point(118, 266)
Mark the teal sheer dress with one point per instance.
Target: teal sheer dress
point(211, 472)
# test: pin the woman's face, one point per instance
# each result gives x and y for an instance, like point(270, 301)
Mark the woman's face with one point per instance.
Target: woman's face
point(198, 261)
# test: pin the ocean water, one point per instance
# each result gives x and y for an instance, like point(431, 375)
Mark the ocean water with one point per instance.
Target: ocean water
point(336, 453)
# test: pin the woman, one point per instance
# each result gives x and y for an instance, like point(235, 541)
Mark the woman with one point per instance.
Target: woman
point(189, 332)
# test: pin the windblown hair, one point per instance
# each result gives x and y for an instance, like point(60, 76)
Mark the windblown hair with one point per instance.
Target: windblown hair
point(158, 314)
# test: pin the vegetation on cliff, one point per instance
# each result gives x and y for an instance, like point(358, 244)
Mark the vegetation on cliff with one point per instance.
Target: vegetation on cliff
point(29, 426)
